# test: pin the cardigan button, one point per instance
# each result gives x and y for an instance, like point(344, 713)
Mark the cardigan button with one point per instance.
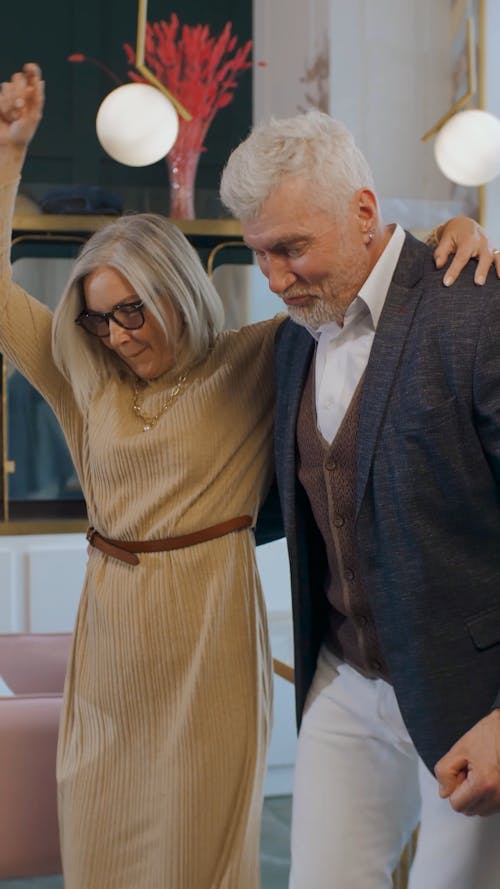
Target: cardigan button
point(338, 521)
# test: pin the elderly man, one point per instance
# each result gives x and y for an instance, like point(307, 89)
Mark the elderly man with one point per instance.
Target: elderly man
point(388, 466)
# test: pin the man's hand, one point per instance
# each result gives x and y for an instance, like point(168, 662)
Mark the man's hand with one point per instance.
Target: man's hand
point(469, 774)
point(467, 240)
point(21, 105)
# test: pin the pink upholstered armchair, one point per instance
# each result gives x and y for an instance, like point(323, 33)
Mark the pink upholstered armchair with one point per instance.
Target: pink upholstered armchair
point(33, 667)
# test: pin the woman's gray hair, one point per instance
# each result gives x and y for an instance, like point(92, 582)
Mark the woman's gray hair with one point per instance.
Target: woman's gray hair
point(313, 145)
point(162, 267)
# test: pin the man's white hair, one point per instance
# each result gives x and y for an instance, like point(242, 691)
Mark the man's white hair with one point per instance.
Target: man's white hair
point(312, 146)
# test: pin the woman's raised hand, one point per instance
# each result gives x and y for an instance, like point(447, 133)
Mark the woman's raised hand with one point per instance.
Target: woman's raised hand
point(21, 105)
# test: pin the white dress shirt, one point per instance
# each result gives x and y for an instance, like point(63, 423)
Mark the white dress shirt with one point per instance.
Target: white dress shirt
point(342, 353)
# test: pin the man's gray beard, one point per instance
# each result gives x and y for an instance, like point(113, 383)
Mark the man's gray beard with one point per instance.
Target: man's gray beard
point(313, 316)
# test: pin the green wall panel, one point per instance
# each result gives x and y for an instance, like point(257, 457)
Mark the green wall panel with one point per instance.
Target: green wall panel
point(66, 150)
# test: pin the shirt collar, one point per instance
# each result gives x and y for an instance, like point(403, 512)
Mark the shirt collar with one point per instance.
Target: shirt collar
point(373, 293)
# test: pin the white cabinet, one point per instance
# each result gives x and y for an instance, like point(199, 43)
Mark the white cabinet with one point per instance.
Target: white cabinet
point(40, 581)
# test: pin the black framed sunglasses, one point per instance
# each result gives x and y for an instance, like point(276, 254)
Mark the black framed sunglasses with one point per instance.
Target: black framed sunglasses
point(127, 315)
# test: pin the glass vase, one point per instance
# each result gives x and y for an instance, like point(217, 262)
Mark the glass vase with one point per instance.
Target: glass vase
point(182, 166)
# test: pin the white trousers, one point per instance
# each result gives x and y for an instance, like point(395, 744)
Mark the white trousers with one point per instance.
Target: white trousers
point(360, 790)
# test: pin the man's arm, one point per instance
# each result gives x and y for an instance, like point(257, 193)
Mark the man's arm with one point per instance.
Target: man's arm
point(469, 774)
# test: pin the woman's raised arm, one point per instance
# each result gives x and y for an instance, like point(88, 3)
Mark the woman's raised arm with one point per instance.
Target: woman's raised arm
point(21, 106)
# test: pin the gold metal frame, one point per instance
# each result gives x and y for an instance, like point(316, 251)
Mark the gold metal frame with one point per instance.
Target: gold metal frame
point(5, 462)
point(471, 83)
point(215, 250)
point(23, 527)
point(476, 82)
point(52, 223)
point(17, 527)
point(47, 238)
point(481, 92)
point(140, 63)
point(284, 670)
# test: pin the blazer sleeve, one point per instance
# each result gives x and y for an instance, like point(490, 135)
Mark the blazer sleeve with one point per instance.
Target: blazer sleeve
point(486, 389)
point(486, 380)
point(270, 520)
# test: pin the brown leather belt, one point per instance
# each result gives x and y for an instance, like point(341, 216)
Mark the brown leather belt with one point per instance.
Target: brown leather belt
point(126, 550)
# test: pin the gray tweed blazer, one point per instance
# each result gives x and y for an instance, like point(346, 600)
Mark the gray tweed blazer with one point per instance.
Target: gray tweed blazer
point(427, 502)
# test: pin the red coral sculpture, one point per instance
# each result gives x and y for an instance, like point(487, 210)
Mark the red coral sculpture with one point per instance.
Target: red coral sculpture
point(199, 69)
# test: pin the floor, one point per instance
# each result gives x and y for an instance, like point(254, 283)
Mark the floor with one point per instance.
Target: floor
point(275, 858)
point(275, 842)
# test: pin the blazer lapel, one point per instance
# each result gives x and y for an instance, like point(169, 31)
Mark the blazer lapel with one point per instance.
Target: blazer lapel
point(395, 321)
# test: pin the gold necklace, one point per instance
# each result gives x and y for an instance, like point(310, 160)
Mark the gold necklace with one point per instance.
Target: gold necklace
point(150, 421)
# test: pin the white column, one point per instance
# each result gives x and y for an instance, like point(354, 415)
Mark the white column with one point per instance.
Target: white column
point(492, 103)
point(384, 68)
point(291, 39)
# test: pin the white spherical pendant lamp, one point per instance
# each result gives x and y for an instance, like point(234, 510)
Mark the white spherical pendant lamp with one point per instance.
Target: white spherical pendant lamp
point(136, 124)
point(467, 148)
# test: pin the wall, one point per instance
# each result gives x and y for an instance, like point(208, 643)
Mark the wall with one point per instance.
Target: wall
point(389, 77)
point(492, 103)
point(291, 38)
point(389, 82)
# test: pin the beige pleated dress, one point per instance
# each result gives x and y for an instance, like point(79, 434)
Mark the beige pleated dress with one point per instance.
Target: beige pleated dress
point(167, 705)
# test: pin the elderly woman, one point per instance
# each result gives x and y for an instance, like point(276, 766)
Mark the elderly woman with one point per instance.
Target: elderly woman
point(169, 422)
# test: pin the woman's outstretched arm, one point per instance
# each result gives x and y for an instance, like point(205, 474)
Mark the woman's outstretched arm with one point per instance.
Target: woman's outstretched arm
point(21, 106)
point(26, 324)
